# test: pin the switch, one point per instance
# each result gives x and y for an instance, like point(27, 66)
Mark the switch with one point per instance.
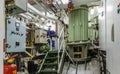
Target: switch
point(17, 29)
point(17, 33)
point(12, 32)
point(17, 43)
point(119, 5)
point(9, 22)
point(118, 10)
point(21, 34)
point(8, 46)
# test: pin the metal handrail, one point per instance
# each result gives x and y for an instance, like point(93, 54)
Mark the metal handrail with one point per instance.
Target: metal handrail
point(61, 32)
point(60, 45)
point(42, 63)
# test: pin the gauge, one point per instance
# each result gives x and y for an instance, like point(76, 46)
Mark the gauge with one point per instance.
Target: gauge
point(17, 24)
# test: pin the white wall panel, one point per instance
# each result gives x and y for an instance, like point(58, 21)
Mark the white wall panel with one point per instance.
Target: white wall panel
point(102, 25)
point(116, 50)
point(109, 42)
point(112, 48)
point(2, 33)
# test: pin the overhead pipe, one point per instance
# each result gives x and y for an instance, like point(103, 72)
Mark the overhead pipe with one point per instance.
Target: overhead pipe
point(41, 5)
point(30, 7)
point(50, 5)
point(25, 16)
point(31, 15)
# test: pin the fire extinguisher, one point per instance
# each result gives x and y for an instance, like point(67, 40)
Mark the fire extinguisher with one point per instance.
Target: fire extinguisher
point(9, 67)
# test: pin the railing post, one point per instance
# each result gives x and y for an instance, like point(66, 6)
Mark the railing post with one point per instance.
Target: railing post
point(60, 45)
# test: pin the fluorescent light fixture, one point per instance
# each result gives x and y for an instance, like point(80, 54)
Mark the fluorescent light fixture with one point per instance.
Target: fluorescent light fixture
point(65, 1)
point(37, 24)
point(92, 11)
point(42, 19)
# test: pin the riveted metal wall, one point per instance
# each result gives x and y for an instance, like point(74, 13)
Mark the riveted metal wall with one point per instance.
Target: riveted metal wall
point(78, 24)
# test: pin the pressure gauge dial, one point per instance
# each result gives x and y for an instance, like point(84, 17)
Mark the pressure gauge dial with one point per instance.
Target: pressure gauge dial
point(17, 26)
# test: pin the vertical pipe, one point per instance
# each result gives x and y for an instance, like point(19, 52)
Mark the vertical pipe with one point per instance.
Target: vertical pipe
point(2, 32)
point(57, 28)
point(63, 39)
point(50, 44)
point(58, 44)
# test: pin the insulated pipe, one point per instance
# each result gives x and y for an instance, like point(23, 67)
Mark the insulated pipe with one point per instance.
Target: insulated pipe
point(31, 15)
point(41, 5)
point(30, 7)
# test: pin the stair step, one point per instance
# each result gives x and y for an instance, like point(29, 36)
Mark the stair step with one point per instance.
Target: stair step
point(53, 52)
point(51, 57)
point(50, 63)
point(48, 71)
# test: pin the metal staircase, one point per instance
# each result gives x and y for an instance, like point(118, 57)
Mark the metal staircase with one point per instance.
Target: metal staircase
point(53, 61)
point(50, 63)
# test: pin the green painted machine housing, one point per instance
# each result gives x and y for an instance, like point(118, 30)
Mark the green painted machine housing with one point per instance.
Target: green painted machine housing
point(93, 33)
point(78, 24)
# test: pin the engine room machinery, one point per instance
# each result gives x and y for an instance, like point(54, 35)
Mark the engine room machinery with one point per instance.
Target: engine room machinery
point(78, 33)
point(40, 36)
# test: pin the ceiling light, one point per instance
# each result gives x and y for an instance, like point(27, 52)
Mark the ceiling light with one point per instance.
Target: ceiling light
point(59, 2)
point(37, 24)
point(65, 1)
point(42, 19)
point(92, 11)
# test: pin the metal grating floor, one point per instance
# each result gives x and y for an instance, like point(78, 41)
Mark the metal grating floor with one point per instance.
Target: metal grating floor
point(92, 68)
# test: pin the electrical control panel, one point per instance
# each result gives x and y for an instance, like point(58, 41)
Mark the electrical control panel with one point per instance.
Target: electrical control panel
point(40, 36)
point(15, 35)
